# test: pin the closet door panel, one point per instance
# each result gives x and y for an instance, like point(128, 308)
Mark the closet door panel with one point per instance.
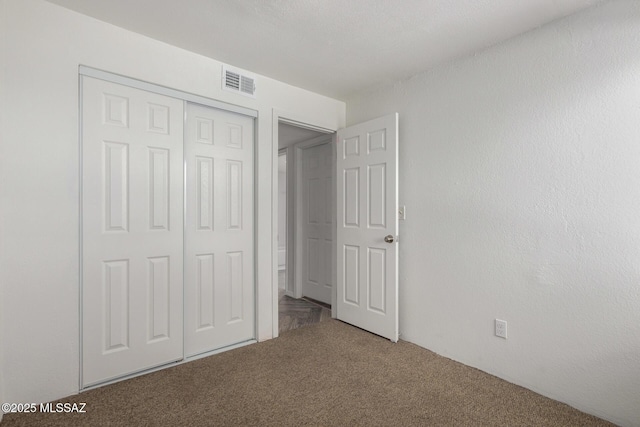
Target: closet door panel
point(132, 230)
point(219, 251)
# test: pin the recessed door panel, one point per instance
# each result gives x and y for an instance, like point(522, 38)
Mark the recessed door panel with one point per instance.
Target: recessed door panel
point(377, 205)
point(159, 188)
point(376, 279)
point(159, 118)
point(350, 266)
point(234, 138)
point(351, 197)
point(116, 305)
point(313, 254)
point(234, 194)
point(204, 192)
point(116, 186)
point(159, 299)
point(316, 201)
point(236, 288)
point(115, 110)
point(205, 288)
point(351, 147)
point(376, 140)
point(203, 130)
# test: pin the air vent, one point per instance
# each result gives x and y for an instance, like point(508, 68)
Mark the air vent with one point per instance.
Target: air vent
point(239, 81)
point(233, 81)
point(247, 85)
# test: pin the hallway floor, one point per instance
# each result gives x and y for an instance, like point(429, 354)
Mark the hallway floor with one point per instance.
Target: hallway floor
point(294, 313)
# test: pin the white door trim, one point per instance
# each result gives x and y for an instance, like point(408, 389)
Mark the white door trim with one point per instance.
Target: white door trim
point(290, 262)
point(284, 152)
point(282, 116)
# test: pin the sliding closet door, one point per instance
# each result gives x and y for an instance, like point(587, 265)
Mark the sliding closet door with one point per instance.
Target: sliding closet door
point(219, 275)
point(132, 233)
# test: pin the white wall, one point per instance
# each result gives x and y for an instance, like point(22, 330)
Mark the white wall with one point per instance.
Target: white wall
point(520, 169)
point(39, 177)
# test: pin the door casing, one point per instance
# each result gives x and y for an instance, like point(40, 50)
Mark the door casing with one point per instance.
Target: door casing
point(294, 119)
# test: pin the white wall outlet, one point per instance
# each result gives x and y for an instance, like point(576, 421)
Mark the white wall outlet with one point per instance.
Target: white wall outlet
point(501, 328)
point(402, 212)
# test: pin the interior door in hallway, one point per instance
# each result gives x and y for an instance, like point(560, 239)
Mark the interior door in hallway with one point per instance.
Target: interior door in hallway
point(317, 212)
point(132, 230)
point(367, 229)
point(219, 236)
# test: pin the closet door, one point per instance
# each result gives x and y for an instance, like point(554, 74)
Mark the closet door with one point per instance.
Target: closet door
point(132, 232)
point(219, 250)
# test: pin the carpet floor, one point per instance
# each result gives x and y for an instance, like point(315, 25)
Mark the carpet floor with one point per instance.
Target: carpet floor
point(327, 374)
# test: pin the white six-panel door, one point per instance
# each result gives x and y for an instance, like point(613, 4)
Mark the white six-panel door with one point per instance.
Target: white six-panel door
point(132, 230)
point(317, 213)
point(367, 229)
point(219, 283)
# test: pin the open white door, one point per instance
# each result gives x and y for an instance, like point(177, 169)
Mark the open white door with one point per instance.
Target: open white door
point(367, 226)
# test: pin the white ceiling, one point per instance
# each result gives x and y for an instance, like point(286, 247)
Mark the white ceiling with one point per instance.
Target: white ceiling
point(289, 135)
point(332, 47)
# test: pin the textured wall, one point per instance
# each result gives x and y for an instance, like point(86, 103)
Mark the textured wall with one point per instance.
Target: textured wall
point(520, 169)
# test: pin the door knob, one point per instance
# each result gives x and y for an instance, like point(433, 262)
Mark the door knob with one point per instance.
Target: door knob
point(389, 239)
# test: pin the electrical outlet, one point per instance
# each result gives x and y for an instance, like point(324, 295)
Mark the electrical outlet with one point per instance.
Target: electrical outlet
point(501, 328)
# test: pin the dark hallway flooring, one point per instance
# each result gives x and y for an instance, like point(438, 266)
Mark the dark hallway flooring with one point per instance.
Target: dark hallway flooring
point(295, 313)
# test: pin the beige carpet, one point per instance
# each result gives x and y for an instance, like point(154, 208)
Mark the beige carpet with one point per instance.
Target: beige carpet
point(328, 374)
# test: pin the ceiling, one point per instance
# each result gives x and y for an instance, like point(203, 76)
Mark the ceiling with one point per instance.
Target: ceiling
point(289, 135)
point(332, 47)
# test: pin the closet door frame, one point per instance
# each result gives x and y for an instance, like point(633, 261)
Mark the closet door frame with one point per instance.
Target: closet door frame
point(185, 97)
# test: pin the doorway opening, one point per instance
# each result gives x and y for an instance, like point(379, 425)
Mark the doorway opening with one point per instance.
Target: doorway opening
point(362, 212)
point(305, 230)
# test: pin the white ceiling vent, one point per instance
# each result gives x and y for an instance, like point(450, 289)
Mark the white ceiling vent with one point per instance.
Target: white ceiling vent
point(239, 81)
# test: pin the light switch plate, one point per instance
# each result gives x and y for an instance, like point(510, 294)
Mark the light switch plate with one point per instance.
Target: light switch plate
point(402, 212)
